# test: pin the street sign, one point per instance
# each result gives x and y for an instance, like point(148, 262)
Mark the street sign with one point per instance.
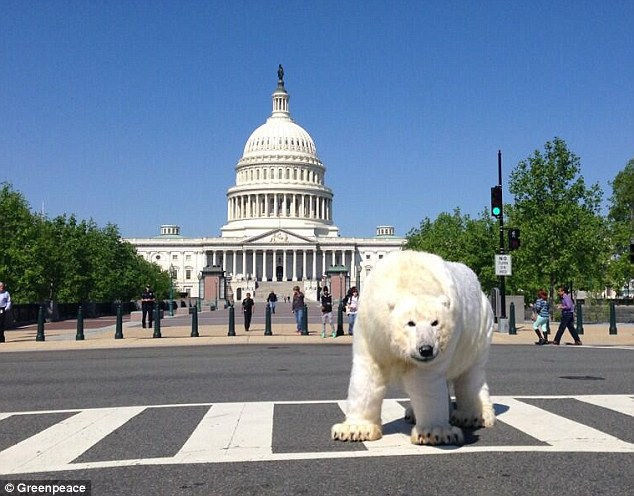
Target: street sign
point(502, 265)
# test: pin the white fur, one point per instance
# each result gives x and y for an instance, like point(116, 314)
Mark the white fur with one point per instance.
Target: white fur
point(405, 294)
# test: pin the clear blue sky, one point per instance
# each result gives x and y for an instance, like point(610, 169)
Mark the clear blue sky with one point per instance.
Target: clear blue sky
point(136, 112)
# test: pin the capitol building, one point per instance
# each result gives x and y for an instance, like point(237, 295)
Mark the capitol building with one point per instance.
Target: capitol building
point(280, 228)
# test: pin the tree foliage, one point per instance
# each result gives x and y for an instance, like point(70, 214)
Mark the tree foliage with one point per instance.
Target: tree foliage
point(621, 224)
point(66, 259)
point(564, 236)
point(460, 238)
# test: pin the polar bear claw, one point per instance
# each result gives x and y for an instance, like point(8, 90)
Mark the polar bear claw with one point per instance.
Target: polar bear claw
point(357, 431)
point(435, 435)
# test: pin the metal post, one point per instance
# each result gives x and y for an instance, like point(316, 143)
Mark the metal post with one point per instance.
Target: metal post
point(80, 325)
point(579, 318)
point(157, 320)
point(267, 321)
point(194, 313)
point(340, 320)
point(501, 219)
point(305, 321)
point(119, 327)
point(512, 328)
point(232, 322)
point(40, 324)
point(612, 318)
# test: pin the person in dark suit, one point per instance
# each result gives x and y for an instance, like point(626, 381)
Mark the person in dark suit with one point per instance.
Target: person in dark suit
point(247, 308)
point(147, 305)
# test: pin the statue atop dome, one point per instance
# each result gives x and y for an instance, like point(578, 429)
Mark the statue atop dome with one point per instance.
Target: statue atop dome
point(280, 75)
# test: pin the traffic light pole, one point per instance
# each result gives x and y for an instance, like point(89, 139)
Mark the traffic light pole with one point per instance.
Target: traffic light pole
point(501, 252)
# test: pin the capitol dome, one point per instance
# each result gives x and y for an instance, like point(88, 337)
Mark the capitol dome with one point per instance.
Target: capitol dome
point(279, 180)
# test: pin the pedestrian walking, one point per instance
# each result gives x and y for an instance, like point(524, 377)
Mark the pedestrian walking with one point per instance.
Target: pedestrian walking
point(541, 315)
point(326, 313)
point(247, 309)
point(297, 307)
point(5, 306)
point(272, 300)
point(352, 305)
point(567, 318)
point(147, 305)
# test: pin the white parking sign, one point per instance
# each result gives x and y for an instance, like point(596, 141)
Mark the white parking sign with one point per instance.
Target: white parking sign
point(502, 265)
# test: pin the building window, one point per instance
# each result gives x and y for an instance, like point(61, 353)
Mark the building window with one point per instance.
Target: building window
point(188, 257)
point(188, 274)
point(367, 257)
point(380, 257)
point(158, 257)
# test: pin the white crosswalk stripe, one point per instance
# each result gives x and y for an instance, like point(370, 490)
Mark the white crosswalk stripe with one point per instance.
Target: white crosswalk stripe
point(244, 432)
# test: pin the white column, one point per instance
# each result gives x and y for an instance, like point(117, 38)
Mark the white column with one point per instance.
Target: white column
point(303, 213)
point(353, 268)
point(323, 262)
point(304, 265)
point(244, 262)
point(255, 267)
point(294, 265)
point(235, 252)
point(274, 206)
point(314, 274)
point(266, 205)
point(213, 257)
point(224, 260)
point(333, 257)
point(284, 265)
point(285, 210)
point(264, 274)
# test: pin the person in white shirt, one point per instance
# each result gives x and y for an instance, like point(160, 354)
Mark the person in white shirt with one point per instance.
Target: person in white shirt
point(5, 306)
point(352, 305)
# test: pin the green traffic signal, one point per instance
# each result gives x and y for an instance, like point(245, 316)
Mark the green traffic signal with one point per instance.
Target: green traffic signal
point(496, 211)
point(496, 201)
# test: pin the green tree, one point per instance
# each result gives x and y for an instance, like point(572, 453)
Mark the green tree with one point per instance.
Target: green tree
point(564, 238)
point(459, 238)
point(621, 222)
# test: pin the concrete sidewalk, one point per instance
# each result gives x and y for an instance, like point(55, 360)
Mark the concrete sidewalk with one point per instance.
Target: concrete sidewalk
point(63, 337)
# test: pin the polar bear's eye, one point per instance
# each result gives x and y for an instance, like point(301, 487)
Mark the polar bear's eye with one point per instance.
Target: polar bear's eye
point(411, 323)
point(434, 323)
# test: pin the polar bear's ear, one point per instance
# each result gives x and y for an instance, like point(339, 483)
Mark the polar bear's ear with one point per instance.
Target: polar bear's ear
point(444, 301)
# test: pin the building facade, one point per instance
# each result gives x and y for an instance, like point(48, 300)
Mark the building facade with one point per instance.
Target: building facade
point(280, 225)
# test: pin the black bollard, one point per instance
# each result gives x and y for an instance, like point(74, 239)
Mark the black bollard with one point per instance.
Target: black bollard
point(512, 327)
point(118, 334)
point(80, 325)
point(579, 319)
point(305, 321)
point(40, 324)
point(340, 320)
point(612, 318)
point(157, 320)
point(232, 322)
point(267, 322)
point(194, 333)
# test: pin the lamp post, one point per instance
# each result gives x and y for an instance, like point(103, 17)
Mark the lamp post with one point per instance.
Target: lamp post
point(200, 291)
point(172, 274)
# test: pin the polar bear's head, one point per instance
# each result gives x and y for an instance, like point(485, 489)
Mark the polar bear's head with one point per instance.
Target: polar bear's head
point(420, 327)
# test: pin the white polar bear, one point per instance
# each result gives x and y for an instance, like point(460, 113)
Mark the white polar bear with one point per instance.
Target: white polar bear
point(426, 321)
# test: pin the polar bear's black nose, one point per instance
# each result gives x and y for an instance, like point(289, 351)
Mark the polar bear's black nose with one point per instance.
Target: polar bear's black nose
point(426, 351)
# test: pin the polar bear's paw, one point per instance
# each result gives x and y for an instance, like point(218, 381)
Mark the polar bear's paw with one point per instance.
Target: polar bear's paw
point(443, 434)
point(409, 415)
point(356, 431)
point(473, 419)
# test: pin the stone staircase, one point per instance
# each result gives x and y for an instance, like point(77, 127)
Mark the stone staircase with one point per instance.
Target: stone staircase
point(280, 288)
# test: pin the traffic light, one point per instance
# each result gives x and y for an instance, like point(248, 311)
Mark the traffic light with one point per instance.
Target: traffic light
point(496, 201)
point(514, 239)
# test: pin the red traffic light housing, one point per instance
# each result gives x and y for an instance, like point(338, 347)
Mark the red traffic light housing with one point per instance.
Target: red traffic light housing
point(496, 201)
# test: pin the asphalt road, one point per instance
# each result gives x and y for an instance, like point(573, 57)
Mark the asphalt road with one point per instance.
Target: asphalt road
point(200, 376)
